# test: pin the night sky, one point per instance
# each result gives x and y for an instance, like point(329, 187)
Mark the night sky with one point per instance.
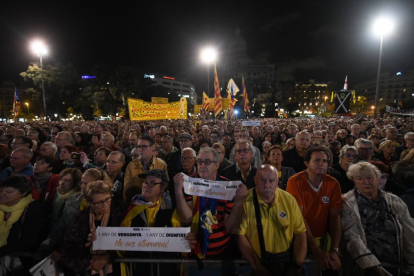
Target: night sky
point(322, 40)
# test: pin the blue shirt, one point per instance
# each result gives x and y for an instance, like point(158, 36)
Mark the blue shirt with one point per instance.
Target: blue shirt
point(28, 171)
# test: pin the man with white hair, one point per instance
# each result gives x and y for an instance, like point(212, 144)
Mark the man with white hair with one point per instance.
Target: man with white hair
point(365, 148)
point(243, 134)
point(408, 144)
point(355, 130)
point(108, 141)
point(48, 148)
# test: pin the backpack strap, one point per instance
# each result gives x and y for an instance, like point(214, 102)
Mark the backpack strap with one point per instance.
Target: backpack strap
point(259, 224)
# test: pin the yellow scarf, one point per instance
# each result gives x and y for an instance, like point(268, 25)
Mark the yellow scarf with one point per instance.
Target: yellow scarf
point(16, 212)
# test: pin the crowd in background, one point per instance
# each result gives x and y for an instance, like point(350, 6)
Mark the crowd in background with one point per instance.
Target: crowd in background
point(337, 190)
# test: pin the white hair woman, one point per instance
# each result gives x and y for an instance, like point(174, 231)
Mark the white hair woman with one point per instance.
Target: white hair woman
point(376, 225)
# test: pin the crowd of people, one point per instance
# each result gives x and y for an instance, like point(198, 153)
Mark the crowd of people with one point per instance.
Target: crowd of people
point(339, 191)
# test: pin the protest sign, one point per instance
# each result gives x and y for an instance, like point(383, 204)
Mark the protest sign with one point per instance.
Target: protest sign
point(250, 123)
point(44, 268)
point(145, 111)
point(225, 190)
point(166, 239)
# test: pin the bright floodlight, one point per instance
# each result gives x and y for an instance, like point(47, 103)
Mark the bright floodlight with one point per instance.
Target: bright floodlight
point(208, 55)
point(39, 48)
point(383, 26)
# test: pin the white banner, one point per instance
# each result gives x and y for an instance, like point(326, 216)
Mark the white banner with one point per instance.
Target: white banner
point(44, 268)
point(396, 111)
point(225, 190)
point(250, 123)
point(166, 239)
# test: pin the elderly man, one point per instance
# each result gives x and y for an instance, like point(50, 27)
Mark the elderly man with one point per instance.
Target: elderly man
point(142, 164)
point(258, 236)
point(114, 164)
point(185, 141)
point(319, 199)
point(243, 134)
point(294, 157)
point(408, 144)
point(167, 149)
point(365, 148)
point(225, 215)
point(355, 130)
point(48, 148)
point(20, 142)
point(242, 170)
point(133, 142)
point(20, 163)
point(347, 157)
point(62, 139)
point(391, 134)
point(108, 141)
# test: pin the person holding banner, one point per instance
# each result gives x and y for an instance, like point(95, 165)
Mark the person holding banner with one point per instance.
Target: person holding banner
point(265, 207)
point(213, 220)
point(103, 211)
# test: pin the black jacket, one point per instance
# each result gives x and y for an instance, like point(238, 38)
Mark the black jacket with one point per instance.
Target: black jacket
point(230, 173)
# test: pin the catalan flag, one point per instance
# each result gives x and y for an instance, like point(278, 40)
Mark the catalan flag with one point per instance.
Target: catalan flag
point(232, 90)
point(245, 97)
point(206, 101)
point(16, 104)
point(217, 94)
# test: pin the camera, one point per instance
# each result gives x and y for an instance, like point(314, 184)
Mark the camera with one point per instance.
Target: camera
point(75, 156)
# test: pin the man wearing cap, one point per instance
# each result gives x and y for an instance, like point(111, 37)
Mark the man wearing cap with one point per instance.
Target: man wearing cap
point(145, 162)
point(148, 209)
point(213, 220)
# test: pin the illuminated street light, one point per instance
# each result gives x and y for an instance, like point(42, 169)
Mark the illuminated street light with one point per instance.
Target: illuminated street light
point(28, 109)
point(40, 49)
point(382, 26)
point(208, 56)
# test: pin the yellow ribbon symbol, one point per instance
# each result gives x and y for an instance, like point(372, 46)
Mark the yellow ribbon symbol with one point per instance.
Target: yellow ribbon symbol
point(342, 96)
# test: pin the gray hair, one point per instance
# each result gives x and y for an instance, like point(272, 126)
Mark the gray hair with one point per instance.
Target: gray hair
point(345, 149)
point(191, 150)
point(51, 145)
point(249, 145)
point(168, 137)
point(120, 154)
point(360, 141)
point(362, 166)
point(302, 132)
point(27, 153)
point(266, 142)
point(408, 134)
point(216, 155)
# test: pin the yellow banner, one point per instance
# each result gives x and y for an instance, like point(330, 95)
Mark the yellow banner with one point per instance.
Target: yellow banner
point(146, 111)
point(159, 100)
point(225, 102)
point(197, 108)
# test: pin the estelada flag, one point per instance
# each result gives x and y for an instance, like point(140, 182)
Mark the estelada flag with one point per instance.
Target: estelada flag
point(245, 97)
point(206, 101)
point(217, 95)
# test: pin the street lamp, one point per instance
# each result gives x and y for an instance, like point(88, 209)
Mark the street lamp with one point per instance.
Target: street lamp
point(208, 55)
point(39, 48)
point(28, 110)
point(382, 26)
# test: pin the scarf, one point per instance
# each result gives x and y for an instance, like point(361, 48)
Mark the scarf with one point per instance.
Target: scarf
point(40, 182)
point(16, 212)
point(92, 227)
point(60, 202)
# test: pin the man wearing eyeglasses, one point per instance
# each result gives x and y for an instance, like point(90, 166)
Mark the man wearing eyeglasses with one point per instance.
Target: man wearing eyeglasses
point(144, 163)
point(319, 199)
point(242, 170)
point(20, 142)
point(224, 215)
point(243, 134)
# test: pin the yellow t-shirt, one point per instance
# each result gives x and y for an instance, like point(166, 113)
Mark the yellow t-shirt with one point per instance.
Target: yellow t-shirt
point(151, 213)
point(280, 222)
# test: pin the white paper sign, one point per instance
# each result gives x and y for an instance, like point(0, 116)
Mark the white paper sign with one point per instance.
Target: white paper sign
point(44, 268)
point(250, 123)
point(225, 190)
point(166, 239)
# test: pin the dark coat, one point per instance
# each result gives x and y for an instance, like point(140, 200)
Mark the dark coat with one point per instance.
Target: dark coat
point(287, 172)
point(230, 173)
point(408, 198)
point(75, 255)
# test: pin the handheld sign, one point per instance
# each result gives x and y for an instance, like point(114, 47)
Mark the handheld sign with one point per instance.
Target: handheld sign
point(224, 190)
point(250, 123)
point(44, 268)
point(166, 239)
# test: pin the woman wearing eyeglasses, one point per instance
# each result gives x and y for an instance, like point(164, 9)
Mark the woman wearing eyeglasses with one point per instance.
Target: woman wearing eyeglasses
point(347, 156)
point(77, 254)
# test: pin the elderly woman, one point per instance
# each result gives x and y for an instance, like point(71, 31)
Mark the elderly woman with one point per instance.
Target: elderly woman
point(21, 224)
point(275, 157)
point(376, 225)
point(386, 152)
point(103, 211)
point(347, 156)
point(149, 210)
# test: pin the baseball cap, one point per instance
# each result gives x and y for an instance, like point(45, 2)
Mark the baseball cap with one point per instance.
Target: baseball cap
point(186, 136)
point(157, 173)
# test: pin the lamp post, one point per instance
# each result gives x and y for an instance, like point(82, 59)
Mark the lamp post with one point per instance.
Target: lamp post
point(28, 109)
point(208, 56)
point(382, 26)
point(40, 49)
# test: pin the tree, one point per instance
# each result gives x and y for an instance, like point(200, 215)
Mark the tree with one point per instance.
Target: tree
point(112, 86)
point(62, 84)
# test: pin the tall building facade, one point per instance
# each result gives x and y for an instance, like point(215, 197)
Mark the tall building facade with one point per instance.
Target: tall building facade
point(313, 97)
point(6, 102)
point(235, 63)
point(393, 88)
point(174, 85)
